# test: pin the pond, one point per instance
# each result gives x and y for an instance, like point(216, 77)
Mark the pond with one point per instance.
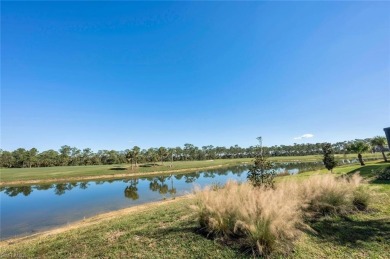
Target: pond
point(29, 209)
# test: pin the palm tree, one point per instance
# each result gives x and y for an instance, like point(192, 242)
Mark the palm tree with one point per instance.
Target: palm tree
point(162, 153)
point(129, 157)
point(359, 147)
point(135, 154)
point(380, 142)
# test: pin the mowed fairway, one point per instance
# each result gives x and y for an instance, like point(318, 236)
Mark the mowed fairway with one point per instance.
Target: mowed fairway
point(64, 173)
point(70, 172)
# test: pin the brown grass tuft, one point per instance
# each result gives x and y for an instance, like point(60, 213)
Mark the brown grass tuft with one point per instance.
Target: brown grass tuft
point(268, 220)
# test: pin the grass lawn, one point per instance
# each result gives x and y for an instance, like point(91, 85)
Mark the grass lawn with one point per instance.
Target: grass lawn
point(122, 170)
point(67, 173)
point(170, 230)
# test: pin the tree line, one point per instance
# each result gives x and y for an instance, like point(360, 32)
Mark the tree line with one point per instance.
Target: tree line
point(72, 156)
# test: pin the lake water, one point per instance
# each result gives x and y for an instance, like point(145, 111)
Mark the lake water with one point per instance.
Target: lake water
point(29, 209)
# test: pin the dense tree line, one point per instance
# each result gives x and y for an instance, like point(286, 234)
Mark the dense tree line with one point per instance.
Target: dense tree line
point(68, 156)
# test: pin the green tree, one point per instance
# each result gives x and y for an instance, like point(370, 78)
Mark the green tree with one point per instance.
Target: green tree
point(31, 157)
point(135, 152)
point(380, 142)
point(7, 160)
point(65, 152)
point(162, 153)
point(329, 160)
point(261, 173)
point(86, 156)
point(359, 147)
point(20, 157)
point(49, 158)
point(129, 158)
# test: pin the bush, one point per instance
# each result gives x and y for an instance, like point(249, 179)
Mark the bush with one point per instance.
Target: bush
point(361, 198)
point(384, 174)
point(268, 220)
point(327, 194)
point(262, 219)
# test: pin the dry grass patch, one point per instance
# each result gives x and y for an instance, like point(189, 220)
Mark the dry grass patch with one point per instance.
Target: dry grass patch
point(266, 221)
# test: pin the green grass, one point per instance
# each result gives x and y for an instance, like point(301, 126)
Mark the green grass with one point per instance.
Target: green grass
point(360, 235)
point(65, 172)
point(164, 232)
point(171, 231)
point(69, 172)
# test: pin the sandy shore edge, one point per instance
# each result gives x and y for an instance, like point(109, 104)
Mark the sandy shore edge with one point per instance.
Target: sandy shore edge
point(109, 176)
point(91, 221)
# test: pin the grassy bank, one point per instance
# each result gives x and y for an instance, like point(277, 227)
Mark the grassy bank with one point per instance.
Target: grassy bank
point(171, 230)
point(17, 176)
point(69, 173)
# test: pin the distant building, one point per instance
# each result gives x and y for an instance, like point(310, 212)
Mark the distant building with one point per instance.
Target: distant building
point(387, 132)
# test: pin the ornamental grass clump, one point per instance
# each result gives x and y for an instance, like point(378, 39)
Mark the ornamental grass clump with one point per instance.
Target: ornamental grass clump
point(268, 220)
point(328, 195)
point(263, 220)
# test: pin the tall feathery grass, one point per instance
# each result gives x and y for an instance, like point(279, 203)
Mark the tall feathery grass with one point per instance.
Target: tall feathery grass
point(269, 220)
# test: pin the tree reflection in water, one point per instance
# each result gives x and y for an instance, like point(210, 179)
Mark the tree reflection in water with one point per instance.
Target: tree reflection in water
point(131, 191)
point(159, 184)
point(15, 190)
point(172, 190)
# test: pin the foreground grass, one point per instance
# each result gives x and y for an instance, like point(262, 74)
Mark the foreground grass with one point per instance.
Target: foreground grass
point(171, 231)
point(167, 231)
point(67, 173)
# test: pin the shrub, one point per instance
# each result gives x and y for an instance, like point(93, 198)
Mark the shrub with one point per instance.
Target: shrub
point(361, 198)
point(262, 219)
point(384, 174)
point(268, 220)
point(327, 194)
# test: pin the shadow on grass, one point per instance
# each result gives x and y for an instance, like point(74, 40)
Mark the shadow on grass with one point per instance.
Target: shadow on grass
point(186, 234)
point(372, 171)
point(118, 168)
point(352, 233)
point(149, 165)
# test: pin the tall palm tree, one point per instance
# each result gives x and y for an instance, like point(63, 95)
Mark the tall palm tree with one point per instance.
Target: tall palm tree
point(135, 154)
point(359, 147)
point(162, 153)
point(129, 157)
point(380, 142)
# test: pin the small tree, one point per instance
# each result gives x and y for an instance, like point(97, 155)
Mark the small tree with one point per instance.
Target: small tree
point(380, 142)
point(329, 160)
point(261, 172)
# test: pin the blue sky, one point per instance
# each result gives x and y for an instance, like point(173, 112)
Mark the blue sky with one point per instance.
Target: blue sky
point(113, 75)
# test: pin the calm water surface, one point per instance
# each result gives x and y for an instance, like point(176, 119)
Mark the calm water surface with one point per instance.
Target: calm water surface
point(29, 209)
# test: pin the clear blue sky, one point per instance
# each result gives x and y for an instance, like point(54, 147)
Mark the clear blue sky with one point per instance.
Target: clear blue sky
point(113, 75)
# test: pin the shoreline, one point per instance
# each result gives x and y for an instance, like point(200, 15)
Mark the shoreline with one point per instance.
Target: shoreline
point(99, 218)
point(108, 176)
point(127, 175)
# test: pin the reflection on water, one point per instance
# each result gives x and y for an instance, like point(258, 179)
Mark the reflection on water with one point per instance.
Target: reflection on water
point(160, 183)
point(27, 209)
